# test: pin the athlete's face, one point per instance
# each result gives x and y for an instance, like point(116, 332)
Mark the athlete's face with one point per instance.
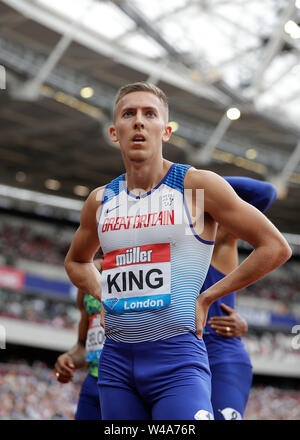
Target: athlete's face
point(140, 126)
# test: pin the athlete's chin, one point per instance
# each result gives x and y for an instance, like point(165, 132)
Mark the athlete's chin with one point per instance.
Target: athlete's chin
point(138, 156)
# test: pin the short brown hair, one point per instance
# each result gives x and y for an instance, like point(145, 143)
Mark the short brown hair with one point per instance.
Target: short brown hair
point(142, 86)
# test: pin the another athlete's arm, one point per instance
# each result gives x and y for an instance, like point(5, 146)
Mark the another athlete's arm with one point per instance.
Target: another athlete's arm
point(244, 221)
point(75, 357)
point(79, 260)
point(256, 192)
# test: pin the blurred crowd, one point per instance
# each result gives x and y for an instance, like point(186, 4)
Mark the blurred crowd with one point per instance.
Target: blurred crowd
point(272, 346)
point(63, 314)
point(45, 243)
point(271, 403)
point(41, 310)
point(275, 345)
point(276, 289)
point(48, 243)
point(32, 392)
point(27, 241)
point(278, 293)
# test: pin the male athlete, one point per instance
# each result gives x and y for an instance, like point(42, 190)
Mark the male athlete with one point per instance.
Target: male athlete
point(154, 362)
point(229, 362)
point(86, 351)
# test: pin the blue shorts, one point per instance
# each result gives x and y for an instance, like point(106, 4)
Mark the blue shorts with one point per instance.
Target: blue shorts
point(163, 380)
point(231, 383)
point(88, 407)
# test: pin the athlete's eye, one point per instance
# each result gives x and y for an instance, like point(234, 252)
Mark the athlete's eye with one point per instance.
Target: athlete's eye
point(150, 113)
point(127, 114)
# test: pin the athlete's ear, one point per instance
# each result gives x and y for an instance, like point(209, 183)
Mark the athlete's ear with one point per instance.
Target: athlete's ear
point(113, 134)
point(167, 133)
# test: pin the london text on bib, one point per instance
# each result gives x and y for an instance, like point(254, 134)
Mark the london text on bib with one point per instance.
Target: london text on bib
point(95, 339)
point(137, 278)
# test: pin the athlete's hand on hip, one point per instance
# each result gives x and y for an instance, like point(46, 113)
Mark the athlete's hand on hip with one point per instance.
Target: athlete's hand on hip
point(64, 367)
point(202, 307)
point(229, 326)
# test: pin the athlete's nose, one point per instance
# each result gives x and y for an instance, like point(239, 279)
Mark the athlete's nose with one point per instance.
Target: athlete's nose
point(138, 122)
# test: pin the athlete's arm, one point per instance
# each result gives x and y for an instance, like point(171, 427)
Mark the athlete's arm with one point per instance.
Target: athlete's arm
point(244, 221)
point(75, 357)
point(225, 256)
point(259, 194)
point(247, 223)
point(79, 260)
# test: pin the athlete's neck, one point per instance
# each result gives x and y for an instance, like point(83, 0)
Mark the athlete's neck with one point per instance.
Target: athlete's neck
point(143, 177)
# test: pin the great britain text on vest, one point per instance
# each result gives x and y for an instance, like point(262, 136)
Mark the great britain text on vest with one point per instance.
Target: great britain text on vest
point(138, 221)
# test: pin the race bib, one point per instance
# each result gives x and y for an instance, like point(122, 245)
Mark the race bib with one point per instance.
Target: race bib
point(137, 278)
point(95, 339)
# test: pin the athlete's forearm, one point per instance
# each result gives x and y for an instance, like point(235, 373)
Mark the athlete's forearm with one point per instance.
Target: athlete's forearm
point(259, 263)
point(78, 355)
point(85, 276)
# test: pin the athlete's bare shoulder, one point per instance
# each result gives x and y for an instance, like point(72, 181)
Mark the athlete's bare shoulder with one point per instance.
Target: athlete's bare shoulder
point(96, 194)
point(218, 194)
point(201, 179)
point(91, 207)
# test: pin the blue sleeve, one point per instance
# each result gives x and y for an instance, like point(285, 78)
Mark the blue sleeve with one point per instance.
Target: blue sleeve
point(256, 192)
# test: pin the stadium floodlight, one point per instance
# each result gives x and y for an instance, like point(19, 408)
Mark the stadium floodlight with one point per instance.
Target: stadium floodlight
point(52, 184)
point(87, 92)
point(233, 113)
point(251, 153)
point(20, 176)
point(81, 190)
point(174, 126)
point(292, 29)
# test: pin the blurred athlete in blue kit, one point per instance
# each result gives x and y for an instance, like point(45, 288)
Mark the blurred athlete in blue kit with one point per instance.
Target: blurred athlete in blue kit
point(154, 362)
point(229, 361)
point(86, 352)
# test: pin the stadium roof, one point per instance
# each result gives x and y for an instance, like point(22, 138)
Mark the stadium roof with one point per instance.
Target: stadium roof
point(65, 60)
